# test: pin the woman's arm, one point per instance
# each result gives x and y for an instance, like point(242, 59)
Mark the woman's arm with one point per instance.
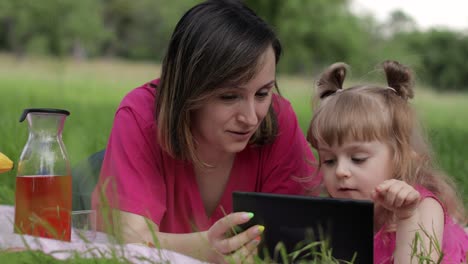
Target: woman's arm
point(211, 245)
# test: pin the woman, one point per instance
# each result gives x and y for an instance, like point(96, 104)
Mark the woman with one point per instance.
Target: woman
point(209, 126)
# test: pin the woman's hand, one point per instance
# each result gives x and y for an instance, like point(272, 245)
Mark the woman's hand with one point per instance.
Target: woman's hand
point(398, 197)
point(239, 248)
point(221, 247)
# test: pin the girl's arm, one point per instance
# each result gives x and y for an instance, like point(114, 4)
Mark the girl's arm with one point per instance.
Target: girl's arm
point(428, 221)
point(212, 245)
point(425, 217)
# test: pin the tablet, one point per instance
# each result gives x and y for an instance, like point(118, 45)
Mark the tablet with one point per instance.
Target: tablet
point(346, 225)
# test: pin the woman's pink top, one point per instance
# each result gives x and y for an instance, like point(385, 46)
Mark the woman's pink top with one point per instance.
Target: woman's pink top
point(143, 179)
point(454, 243)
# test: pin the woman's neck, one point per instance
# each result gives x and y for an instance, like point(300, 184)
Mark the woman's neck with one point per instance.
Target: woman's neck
point(214, 158)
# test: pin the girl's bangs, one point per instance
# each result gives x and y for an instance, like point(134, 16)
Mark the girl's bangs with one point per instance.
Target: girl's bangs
point(340, 122)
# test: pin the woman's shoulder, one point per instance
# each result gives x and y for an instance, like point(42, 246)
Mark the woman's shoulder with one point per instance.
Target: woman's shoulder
point(284, 111)
point(280, 104)
point(141, 100)
point(144, 94)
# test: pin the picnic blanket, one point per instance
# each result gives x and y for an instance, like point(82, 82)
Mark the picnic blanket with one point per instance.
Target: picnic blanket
point(100, 247)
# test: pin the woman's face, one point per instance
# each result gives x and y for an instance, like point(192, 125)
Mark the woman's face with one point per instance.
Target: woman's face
point(225, 123)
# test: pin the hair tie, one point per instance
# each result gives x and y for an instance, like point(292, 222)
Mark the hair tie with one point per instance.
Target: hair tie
point(328, 93)
point(391, 88)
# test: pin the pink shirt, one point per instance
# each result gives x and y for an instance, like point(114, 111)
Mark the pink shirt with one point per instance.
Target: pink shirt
point(152, 184)
point(454, 242)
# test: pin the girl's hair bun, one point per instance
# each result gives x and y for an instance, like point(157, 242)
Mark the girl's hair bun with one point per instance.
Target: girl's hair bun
point(400, 78)
point(331, 80)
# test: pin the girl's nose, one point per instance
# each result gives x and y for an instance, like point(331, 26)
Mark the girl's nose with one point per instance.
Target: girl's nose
point(342, 170)
point(248, 114)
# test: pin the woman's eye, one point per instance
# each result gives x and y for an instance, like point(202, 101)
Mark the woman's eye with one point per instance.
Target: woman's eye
point(359, 160)
point(228, 97)
point(262, 94)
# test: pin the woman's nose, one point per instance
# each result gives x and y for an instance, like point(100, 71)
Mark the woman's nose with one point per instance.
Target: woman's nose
point(248, 113)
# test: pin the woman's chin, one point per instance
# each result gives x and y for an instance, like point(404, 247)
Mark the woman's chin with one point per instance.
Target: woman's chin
point(236, 147)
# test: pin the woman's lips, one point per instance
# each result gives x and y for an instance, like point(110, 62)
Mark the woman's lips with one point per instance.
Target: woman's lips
point(240, 135)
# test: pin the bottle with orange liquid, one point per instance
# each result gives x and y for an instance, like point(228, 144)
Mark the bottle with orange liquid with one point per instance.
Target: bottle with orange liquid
point(43, 196)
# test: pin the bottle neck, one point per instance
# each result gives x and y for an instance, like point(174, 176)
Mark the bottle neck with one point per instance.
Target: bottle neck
point(46, 125)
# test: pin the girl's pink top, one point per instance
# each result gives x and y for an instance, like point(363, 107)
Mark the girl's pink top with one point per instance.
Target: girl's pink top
point(454, 243)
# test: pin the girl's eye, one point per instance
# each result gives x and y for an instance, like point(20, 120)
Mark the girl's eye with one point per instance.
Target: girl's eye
point(359, 160)
point(329, 162)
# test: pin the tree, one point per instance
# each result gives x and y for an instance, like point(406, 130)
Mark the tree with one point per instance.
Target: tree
point(315, 33)
point(141, 29)
point(51, 26)
point(443, 55)
point(398, 22)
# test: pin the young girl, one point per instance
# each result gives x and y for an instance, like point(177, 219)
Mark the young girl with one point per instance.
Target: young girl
point(370, 147)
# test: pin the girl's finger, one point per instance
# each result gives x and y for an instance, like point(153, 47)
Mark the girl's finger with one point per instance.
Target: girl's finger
point(384, 186)
point(413, 197)
point(392, 194)
point(402, 197)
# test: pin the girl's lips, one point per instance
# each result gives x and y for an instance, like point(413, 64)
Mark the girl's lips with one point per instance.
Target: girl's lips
point(346, 189)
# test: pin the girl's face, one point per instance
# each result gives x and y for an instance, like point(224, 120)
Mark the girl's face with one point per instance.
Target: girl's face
point(354, 169)
point(225, 123)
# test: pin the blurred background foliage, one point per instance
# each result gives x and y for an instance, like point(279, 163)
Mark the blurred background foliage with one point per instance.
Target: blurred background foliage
point(314, 34)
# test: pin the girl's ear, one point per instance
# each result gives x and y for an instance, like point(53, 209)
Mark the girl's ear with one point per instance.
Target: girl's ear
point(331, 80)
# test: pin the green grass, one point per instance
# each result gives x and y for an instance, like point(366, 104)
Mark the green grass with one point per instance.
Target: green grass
point(92, 90)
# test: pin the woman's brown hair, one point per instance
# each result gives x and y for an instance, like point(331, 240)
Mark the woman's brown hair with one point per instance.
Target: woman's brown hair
point(217, 43)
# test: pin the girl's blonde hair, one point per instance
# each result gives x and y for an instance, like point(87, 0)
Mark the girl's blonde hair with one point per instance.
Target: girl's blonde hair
point(383, 113)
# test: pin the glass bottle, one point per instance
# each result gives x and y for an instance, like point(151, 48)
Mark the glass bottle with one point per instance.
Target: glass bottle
point(43, 196)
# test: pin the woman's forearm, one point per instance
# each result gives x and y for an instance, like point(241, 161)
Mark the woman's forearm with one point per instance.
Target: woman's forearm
point(192, 244)
point(137, 229)
point(195, 245)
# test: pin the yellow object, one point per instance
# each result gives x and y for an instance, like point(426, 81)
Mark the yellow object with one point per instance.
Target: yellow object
point(5, 163)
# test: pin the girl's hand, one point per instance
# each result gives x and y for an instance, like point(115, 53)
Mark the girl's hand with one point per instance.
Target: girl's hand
point(398, 197)
point(239, 248)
